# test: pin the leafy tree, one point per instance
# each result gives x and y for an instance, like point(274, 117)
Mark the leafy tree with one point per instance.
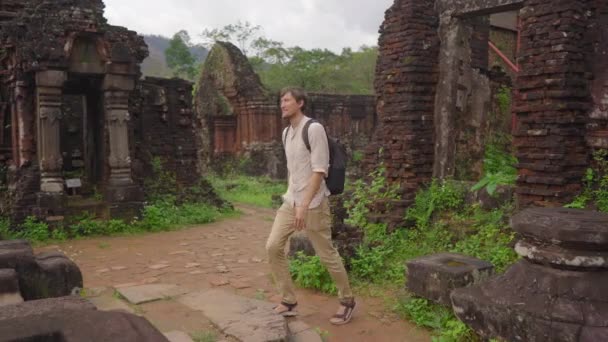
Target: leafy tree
point(242, 34)
point(271, 51)
point(179, 58)
point(319, 70)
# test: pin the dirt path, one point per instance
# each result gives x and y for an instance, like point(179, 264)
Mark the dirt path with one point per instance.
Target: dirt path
point(228, 254)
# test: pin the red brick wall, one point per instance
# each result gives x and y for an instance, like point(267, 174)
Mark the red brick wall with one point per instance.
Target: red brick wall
point(553, 102)
point(406, 76)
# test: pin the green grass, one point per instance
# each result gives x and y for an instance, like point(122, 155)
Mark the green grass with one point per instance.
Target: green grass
point(440, 320)
point(257, 191)
point(204, 336)
point(158, 217)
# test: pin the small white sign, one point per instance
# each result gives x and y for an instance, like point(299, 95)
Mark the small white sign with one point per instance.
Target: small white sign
point(73, 183)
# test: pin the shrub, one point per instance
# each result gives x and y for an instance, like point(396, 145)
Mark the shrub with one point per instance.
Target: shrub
point(309, 272)
point(34, 230)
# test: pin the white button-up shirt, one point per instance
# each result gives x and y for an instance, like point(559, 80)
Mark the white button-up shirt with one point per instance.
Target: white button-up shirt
point(301, 163)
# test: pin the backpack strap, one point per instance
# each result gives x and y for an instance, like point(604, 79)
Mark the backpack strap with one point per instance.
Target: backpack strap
point(305, 133)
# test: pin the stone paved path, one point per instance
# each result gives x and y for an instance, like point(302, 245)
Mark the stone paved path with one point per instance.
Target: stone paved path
point(227, 255)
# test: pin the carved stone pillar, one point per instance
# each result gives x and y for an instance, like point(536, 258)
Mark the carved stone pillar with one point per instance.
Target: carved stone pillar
point(117, 118)
point(48, 102)
point(124, 196)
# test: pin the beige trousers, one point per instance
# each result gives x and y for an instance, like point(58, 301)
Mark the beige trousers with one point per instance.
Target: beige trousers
point(318, 230)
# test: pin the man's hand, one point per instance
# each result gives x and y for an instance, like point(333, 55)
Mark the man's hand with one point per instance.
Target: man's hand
point(300, 221)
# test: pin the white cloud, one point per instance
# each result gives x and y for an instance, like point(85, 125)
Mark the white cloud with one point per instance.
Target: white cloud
point(331, 24)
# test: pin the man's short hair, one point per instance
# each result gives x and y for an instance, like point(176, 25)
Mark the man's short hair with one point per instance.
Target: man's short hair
point(298, 93)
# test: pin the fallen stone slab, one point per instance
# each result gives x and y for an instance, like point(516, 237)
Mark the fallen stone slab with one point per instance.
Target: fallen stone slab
point(178, 336)
point(435, 276)
point(243, 318)
point(301, 332)
point(150, 292)
point(110, 303)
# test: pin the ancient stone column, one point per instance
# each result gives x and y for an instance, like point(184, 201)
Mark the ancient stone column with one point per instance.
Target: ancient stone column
point(116, 104)
point(117, 118)
point(125, 198)
point(48, 97)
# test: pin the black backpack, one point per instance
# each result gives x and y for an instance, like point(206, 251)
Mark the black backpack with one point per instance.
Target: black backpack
point(336, 175)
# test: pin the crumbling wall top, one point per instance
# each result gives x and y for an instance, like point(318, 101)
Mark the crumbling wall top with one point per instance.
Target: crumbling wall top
point(41, 34)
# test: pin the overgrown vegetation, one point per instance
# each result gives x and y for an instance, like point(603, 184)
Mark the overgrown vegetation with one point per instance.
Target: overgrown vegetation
point(310, 273)
point(595, 185)
point(498, 168)
point(163, 212)
point(161, 216)
point(440, 320)
point(256, 191)
point(438, 221)
point(205, 336)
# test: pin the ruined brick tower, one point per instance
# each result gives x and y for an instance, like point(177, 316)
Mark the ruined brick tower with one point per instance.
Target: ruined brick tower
point(74, 112)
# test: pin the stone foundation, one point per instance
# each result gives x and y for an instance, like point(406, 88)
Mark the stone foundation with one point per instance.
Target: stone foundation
point(556, 293)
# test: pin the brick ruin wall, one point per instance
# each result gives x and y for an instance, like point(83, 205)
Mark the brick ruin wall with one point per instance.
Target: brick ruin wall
point(162, 122)
point(554, 100)
point(349, 118)
point(163, 126)
point(240, 118)
point(559, 99)
point(406, 78)
point(597, 127)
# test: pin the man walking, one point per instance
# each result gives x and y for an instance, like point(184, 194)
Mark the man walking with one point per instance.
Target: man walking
point(306, 207)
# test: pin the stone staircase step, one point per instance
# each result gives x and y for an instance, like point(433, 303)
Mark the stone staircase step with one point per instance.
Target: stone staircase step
point(301, 332)
point(243, 318)
point(140, 294)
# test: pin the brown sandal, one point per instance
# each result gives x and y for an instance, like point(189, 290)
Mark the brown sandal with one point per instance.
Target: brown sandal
point(290, 312)
point(339, 319)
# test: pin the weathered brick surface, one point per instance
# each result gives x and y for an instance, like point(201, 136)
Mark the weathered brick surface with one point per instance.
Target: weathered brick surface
point(164, 126)
point(350, 118)
point(553, 102)
point(406, 76)
point(597, 128)
point(479, 43)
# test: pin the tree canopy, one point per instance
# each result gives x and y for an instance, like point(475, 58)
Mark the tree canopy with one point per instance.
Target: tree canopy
point(316, 70)
point(179, 58)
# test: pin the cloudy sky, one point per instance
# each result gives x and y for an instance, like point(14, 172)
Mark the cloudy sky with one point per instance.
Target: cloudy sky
point(331, 24)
